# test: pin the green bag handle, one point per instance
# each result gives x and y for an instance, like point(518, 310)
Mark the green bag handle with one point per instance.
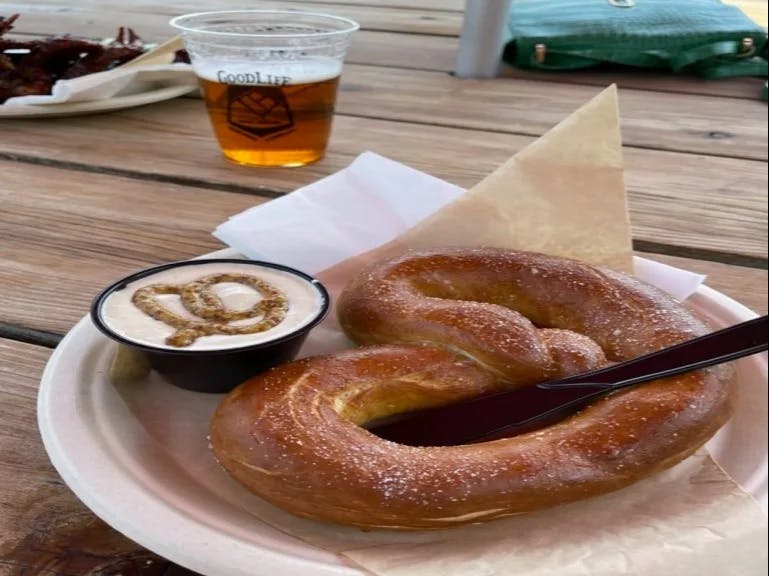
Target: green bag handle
point(751, 67)
point(721, 59)
point(576, 59)
point(682, 59)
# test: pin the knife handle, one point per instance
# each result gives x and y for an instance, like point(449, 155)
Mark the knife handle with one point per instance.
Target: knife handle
point(714, 348)
point(505, 414)
point(717, 347)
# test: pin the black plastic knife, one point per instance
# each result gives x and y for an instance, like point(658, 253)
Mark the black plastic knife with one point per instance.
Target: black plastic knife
point(517, 411)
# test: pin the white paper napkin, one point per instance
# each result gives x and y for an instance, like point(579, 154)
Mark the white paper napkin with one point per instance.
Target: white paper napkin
point(368, 203)
point(363, 206)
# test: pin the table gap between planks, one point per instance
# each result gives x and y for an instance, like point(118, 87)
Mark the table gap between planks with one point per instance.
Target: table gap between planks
point(84, 201)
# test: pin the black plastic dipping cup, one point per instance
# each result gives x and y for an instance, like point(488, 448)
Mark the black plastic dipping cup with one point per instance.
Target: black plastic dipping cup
point(217, 370)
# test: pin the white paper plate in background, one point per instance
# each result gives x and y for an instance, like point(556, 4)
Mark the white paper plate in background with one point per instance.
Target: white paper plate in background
point(94, 106)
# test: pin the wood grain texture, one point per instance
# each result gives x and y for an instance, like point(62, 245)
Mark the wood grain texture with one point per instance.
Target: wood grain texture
point(44, 529)
point(66, 238)
point(173, 140)
point(679, 122)
point(147, 16)
point(668, 121)
point(740, 87)
point(61, 248)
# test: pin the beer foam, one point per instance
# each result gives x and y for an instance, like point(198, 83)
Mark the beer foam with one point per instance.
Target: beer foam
point(270, 73)
point(124, 318)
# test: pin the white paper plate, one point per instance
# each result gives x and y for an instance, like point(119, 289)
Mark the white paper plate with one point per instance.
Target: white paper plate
point(137, 457)
point(95, 106)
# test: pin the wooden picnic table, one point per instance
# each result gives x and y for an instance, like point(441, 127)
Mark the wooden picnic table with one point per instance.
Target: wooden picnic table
point(85, 200)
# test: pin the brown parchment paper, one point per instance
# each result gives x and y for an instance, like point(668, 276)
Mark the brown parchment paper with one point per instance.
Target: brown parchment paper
point(563, 194)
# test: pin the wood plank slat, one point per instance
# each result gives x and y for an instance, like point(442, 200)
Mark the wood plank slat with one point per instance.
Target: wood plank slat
point(105, 17)
point(685, 123)
point(66, 238)
point(745, 87)
point(676, 122)
point(668, 121)
point(172, 141)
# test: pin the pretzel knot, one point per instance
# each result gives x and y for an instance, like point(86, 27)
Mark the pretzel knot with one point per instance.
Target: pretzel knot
point(199, 298)
point(443, 325)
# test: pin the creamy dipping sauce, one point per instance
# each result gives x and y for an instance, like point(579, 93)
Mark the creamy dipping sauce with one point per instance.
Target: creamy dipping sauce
point(121, 315)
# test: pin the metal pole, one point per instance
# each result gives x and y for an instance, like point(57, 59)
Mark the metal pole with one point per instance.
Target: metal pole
point(482, 39)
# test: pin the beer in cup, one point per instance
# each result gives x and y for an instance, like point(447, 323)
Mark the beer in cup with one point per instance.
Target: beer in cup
point(269, 79)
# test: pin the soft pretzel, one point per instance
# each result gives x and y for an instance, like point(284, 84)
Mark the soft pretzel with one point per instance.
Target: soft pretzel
point(450, 324)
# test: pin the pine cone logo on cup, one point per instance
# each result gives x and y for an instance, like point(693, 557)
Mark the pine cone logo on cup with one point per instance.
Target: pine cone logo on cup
point(259, 111)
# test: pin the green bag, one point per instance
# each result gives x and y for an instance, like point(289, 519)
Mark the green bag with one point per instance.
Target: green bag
point(704, 37)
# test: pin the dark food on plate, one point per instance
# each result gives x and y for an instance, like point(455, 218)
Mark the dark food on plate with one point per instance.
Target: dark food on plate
point(31, 67)
point(444, 325)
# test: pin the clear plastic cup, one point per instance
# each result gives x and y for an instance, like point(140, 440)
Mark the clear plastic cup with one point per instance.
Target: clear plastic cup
point(269, 79)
